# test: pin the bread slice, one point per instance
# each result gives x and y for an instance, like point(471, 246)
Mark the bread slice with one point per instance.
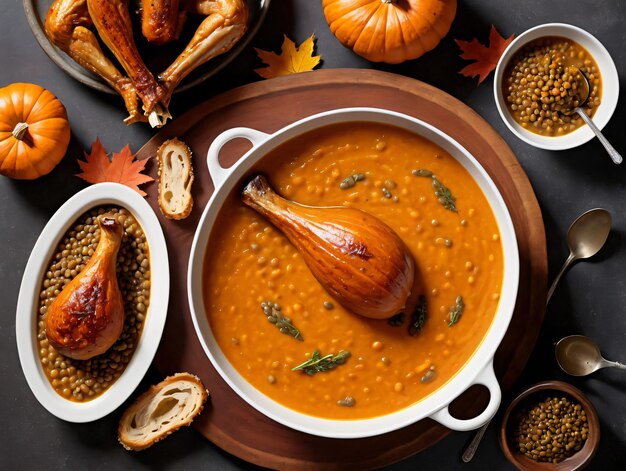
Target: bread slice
point(161, 410)
point(175, 179)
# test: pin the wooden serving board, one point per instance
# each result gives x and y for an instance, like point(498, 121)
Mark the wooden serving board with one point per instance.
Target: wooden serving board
point(228, 421)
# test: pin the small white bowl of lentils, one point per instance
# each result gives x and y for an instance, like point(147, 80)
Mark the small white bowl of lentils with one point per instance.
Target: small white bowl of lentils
point(534, 81)
point(86, 390)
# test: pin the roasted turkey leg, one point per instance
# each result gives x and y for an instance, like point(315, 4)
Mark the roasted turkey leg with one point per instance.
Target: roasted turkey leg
point(66, 25)
point(112, 20)
point(221, 29)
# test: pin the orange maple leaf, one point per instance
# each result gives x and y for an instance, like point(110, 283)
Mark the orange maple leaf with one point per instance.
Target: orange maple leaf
point(122, 168)
point(486, 57)
point(291, 60)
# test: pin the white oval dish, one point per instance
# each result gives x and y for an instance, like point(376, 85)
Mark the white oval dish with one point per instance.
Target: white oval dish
point(27, 304)
point(610, 86)
point(478, 370)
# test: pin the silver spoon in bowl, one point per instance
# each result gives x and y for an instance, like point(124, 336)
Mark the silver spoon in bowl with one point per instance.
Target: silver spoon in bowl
point(585, 238)
point(578, 355)
point(575, 106)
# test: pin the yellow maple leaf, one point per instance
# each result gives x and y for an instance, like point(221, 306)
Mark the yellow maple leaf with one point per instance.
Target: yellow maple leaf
point(291, 59)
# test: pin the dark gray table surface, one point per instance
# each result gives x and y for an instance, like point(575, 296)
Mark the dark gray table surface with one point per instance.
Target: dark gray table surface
point(591, 299)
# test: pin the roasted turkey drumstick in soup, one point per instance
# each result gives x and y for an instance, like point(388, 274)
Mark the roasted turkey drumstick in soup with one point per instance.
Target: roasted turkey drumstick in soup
point(355, 256)
point(69, 25)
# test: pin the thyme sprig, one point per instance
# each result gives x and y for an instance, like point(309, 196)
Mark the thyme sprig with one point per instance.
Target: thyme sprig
point(418, 318)
point(282, 322)
point(318, 363)
point(442, 192)
point(286, 327)
point(456, 311)
point(446, 199)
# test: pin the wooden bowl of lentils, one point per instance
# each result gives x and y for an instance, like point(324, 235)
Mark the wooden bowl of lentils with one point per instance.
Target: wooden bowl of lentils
point(85, 390)
point(538, 83)
point(550, 426)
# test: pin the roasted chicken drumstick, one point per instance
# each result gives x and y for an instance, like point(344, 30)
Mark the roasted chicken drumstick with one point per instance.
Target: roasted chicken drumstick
point(225, 24)
point(67, 26)
point(112, 20)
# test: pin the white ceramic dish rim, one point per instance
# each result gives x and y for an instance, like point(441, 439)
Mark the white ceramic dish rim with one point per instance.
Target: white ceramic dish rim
point(610, 86)
point(27, 305)
point(478, 370)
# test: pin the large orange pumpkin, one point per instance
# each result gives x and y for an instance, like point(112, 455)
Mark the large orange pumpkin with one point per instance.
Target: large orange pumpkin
point(390, 31)
point(34, 131)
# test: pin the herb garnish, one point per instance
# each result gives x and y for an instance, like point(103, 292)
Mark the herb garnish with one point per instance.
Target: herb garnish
point(282, 322)
point(456, 311)
point(318, 363)
point(418, 318)
point(445, 196)
point(442, 192)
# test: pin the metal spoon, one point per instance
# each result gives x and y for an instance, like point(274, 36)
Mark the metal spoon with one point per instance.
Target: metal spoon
point(585, 238)
point(575, 106)
point(578, 355)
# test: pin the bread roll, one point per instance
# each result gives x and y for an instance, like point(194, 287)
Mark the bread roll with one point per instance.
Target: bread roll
point(175, 179)
point(161, 410)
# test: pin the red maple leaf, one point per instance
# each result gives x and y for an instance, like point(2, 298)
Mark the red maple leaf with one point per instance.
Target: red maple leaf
point(486, 57)
point(122, 168)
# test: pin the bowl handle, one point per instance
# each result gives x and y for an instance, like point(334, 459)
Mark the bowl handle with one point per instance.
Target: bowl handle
point(488, 379)
point(216, 171)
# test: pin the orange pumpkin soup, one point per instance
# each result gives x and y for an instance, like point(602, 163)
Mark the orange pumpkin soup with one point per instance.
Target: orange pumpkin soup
point(437, 209)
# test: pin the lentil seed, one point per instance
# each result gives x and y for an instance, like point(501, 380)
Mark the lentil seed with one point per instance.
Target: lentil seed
point(429, 375)
point(348, 401)
point(350, 181)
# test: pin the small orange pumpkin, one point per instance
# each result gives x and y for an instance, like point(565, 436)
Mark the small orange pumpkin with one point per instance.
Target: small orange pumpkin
point(34, 131)
point(391, 31)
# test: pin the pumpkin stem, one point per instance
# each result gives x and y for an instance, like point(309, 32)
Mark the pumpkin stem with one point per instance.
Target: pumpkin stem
point(19, 130)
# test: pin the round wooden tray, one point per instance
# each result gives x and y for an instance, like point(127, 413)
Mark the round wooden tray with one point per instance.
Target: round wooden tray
point(228, 421)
